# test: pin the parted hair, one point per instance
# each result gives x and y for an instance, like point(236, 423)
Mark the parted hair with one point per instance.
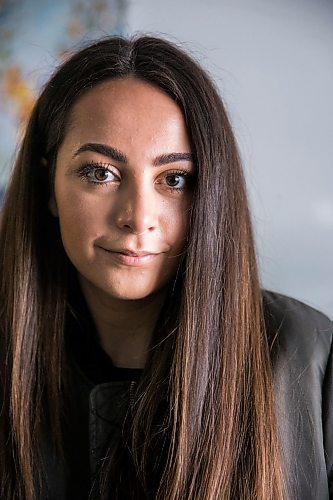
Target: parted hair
point(204, 407)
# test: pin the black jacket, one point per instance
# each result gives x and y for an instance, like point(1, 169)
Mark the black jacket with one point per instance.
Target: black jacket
point(303, 378)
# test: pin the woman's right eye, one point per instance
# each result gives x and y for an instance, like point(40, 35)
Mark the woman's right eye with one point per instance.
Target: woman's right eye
point(97, 174)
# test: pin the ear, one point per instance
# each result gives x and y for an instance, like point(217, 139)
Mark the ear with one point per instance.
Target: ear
point(53, 206)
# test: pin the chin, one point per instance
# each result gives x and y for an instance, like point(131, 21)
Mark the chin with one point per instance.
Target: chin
point(133, 293)
point(121, 288)
point(129, 295)
point(128, 292)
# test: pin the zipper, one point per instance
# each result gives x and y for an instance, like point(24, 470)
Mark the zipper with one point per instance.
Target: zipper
point(131, 394)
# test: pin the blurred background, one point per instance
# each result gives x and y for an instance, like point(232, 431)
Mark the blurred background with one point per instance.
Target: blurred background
point(273, 63)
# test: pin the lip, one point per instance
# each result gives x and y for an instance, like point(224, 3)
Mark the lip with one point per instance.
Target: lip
point(129, 258)
point(132, 253)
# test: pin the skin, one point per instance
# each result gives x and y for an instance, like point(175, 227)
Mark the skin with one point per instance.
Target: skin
point(109, 200)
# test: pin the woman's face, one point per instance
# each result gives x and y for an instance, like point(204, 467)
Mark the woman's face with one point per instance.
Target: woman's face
point(123, 188)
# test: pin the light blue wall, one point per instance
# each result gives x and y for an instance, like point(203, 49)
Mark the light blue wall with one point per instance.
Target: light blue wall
point(35, 36)
point(273, 61)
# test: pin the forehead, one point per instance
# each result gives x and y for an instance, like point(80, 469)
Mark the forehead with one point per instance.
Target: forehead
point(127, 109)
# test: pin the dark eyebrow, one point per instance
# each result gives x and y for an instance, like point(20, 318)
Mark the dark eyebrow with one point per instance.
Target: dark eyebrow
point(104, 150)
point(172, 158)
point(117, 155)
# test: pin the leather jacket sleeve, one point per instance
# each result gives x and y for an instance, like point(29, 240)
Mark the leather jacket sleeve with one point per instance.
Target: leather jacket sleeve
point(301, 352)
point(328, 419)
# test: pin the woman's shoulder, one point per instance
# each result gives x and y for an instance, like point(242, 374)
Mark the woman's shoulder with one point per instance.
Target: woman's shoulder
point(297, 332)
point(286, 310)
point(300, 341)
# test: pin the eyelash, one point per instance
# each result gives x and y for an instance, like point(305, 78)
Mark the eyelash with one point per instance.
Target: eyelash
point(83, 172)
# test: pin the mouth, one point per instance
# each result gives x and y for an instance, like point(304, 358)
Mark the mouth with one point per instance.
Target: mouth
point(129, 258)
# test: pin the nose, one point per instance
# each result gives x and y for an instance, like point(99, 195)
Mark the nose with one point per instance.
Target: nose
point(136, 209)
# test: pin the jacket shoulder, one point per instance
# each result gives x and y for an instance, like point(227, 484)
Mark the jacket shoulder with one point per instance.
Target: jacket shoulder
point(300, 341)
point(296, 328)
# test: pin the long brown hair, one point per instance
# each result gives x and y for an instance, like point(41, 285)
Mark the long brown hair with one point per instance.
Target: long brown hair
point(214, 407)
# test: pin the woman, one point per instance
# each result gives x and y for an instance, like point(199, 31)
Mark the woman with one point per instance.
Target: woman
point(140, 359)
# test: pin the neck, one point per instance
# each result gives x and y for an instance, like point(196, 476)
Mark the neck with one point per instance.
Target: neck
point(124, 327)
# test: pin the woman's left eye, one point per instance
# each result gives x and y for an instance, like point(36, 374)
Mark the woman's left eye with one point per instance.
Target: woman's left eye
point(177, 181)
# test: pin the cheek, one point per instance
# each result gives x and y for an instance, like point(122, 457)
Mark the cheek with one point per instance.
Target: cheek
point(178, 223)
point(78, 220)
